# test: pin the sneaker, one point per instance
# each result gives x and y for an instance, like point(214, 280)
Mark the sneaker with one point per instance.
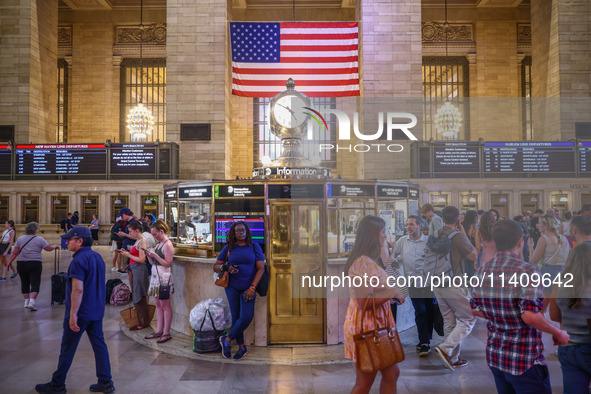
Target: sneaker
point(14, 275)
point(240, 353)
point(460, 363)
point(49, 388)
point(102, 387)
point(114, 269)
point(445, 358)
point(27, 303)
point(2, 279)
point(226, 347)
point(121, 271)
point(424, 350)
point(31, 305)
point(418, 347)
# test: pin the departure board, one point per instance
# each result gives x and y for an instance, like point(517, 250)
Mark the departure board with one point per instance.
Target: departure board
point(5, 159)
point(585, 158)
point(133, 158)
point(456, 157)
point(61, 159)
point(528, 157)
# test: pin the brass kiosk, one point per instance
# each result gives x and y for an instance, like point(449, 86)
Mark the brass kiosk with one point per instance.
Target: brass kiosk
point(305, 228)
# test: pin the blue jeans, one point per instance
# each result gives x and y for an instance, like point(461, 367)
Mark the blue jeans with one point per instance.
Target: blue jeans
point(575, 362)
point(70, 340)
point(242, 313)
point(535, 380)
point(422, 301)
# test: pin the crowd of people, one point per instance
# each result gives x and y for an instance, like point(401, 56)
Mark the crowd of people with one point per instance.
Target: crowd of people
point(548, 252)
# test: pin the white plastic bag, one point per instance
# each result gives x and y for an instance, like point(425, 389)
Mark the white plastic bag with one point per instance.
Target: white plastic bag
point(220, 312)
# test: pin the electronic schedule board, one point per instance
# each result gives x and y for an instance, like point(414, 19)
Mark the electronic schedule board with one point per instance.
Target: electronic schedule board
point(585, 158)
point(5, 160)
point(60, 159)
point(452, 158)
point(133, 158)
point(528, 157)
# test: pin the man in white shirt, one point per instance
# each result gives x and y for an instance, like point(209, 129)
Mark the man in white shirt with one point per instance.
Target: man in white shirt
point(410, 252)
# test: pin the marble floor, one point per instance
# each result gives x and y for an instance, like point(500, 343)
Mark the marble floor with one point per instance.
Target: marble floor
point(29, 347)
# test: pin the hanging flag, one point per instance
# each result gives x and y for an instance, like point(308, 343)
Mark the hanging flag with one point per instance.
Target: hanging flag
point(321, 57)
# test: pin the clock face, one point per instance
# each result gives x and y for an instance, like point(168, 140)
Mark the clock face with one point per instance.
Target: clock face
point(289, 111)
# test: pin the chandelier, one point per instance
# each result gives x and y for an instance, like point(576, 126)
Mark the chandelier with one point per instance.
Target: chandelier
point(140, 121)
point(448, 119)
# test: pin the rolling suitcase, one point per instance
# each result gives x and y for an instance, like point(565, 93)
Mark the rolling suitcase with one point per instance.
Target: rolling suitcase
point(58, 281)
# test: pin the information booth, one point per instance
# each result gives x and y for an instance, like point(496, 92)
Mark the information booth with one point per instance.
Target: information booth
point(305, 228)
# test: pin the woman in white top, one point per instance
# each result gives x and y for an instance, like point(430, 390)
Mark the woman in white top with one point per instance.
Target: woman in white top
point(551, 252)
point(6, 242)
point(29, 264)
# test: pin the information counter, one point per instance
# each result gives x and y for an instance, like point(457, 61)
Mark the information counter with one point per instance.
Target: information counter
point(306, 228)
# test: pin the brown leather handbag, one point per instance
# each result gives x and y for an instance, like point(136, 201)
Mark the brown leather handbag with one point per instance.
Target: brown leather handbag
point(223, 277)
point(379, 348)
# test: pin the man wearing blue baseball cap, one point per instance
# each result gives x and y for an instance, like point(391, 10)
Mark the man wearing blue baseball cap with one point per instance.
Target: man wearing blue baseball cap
point(85, 309)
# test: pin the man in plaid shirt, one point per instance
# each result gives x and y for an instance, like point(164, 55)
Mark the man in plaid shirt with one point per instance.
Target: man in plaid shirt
point(514, 347)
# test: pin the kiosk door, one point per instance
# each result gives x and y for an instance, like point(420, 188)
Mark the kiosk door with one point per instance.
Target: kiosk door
point(296, 313)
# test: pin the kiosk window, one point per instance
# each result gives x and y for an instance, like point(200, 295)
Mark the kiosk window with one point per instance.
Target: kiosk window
point(469, 201)
point(30, 211)
point(118, 202)
point(500, 202)
point(59, 208)
point(4, 208)
point(150, 205)
point(195, 222)
point(89, 208)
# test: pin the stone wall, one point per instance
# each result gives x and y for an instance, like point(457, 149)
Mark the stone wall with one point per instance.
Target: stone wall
point(28, 58)
point(196, 84)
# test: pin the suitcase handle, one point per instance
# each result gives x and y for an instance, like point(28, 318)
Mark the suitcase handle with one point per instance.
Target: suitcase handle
point(56, 260)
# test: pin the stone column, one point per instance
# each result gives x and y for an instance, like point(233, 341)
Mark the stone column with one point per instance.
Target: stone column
point(391, 71)
point(197, 88)
point(28, 58)
point(561, 48)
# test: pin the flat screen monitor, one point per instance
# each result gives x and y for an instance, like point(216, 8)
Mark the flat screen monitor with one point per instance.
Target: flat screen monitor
point(256, 224)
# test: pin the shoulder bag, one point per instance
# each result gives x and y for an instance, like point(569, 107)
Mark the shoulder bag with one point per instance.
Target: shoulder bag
point(379, 348)
point(163, 290)
point(223, 276)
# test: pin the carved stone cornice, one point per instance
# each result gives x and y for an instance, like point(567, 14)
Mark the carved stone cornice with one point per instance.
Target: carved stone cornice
point(64, 36)
point(434, 32)
point(524, 34)
point(154, 34)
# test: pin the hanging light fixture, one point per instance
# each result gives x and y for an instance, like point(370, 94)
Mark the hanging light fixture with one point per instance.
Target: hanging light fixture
point(57, 201)
point(472, 199)
point(502, 199)
point(117, 200)
point(149, 201)
point(448, 119)
point(563, 198)
point(140, 121)
point(27, 201)
point(87, 201)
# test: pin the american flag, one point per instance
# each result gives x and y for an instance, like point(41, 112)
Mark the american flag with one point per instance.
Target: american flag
point(321, 57)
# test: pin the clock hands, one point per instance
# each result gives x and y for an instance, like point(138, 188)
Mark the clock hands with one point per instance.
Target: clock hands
point(290, 110)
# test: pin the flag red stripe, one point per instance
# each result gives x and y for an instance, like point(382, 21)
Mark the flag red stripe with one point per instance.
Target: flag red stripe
point(256, 82)
point(309, 94)
point(305, 71)
point(340, 36)
point(319, 48)
point(318, 25)
point(318, 59)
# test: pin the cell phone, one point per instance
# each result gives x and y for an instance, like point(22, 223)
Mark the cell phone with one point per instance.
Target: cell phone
point(144, 249)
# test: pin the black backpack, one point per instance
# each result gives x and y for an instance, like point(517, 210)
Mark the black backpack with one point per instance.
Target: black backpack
point(111, 283)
